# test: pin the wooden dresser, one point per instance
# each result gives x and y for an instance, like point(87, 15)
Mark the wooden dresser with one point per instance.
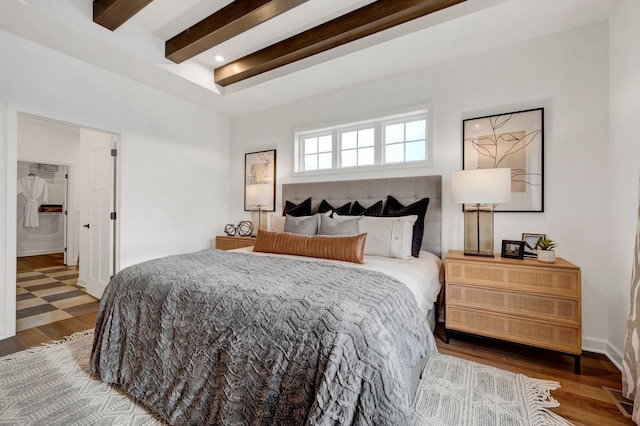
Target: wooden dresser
point(521, 301)
point(224, 242)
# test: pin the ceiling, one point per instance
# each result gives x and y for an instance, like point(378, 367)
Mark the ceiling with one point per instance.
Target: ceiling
point(136, 49)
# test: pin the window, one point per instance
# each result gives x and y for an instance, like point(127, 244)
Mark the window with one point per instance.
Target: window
point(405, 141)
point(357, 147)
point(385, 141)
point(318, 152)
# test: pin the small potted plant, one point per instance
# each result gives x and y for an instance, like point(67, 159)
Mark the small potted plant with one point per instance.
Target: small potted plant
point(545, 248)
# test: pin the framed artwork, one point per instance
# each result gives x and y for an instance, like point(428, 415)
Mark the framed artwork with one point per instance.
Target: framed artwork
point(512, 249)
point(530, 243)
point(514, 140)
point(260, 181)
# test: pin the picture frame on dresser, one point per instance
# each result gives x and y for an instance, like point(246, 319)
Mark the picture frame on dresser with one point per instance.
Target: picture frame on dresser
point(530, 243)
point(512, 249)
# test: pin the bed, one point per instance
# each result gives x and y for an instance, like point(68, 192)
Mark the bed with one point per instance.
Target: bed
point(241, 338)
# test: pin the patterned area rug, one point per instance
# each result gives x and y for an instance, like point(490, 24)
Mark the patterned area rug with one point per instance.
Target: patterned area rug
point(454, 391)
point(52, 385)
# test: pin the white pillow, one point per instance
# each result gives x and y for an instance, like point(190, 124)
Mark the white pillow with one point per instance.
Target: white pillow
point(386, 236)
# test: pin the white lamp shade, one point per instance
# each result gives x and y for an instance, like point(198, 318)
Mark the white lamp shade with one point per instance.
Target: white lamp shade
point(482, 186)
point(259, 194)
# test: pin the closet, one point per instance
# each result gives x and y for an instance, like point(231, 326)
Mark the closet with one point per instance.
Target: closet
point(42, 224)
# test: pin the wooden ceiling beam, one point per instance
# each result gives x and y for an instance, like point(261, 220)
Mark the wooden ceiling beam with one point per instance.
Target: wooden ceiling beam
point(367, 20)
point(113, 13)
point(233, 19)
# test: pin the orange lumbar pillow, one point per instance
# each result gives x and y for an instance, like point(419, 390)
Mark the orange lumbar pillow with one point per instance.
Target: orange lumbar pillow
point(350, 249)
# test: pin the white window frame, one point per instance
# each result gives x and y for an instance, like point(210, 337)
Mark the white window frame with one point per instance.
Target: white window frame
point(317, 135)
point(364, 126)
point(404, 120)
point(377, 123)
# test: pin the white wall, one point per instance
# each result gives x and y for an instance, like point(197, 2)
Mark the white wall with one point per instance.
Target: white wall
point(173, 169)
point(624, 164)
point(566, 73)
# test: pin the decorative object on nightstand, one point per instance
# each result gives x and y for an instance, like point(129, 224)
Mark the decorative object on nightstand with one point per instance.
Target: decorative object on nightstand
point(484, 188)
point(545, 250)
point(230, 230)
point(520, 301)
point(245, 228)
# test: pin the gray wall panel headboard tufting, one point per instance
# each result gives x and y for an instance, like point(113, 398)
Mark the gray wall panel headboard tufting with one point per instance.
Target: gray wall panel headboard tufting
point(367, 191)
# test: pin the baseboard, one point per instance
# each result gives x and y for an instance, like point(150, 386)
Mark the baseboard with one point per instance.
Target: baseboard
point(39, 252)
point(603, 347)
point(82, 282)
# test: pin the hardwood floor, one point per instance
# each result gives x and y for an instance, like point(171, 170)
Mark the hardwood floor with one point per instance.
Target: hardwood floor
point(583, 401)
point(41, 261)
point(47, 333)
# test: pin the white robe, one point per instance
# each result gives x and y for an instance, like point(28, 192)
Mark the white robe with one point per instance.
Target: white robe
point(32, 187)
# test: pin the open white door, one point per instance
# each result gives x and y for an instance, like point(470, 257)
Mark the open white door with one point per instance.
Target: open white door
point(101, 171)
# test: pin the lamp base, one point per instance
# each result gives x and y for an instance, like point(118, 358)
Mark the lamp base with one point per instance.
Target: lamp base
point(478, 253)
point(478, 231)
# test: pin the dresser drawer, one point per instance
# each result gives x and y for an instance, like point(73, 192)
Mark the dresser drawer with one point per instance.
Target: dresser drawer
point(564, 338)
point(538, 279)
point(515, 303)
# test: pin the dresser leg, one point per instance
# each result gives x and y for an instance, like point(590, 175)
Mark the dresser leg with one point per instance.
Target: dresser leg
point(446, 336)
point(576, 364)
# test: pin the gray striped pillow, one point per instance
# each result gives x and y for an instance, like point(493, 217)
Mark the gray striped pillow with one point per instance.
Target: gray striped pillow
point(307, 225)
point(348, 227)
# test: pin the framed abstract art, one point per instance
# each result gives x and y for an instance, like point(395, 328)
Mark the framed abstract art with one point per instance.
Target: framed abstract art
point(513, 140)
point(260, 180)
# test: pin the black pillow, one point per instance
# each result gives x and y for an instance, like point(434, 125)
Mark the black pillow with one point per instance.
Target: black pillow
point(395, 208)
point(302, 209)
point(358, 210)
point(326, 207)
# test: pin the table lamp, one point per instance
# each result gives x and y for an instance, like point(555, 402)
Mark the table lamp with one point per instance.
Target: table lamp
point(259, 196)
point(483, 188)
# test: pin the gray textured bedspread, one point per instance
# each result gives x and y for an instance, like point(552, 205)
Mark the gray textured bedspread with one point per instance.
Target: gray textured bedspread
point(230, 338)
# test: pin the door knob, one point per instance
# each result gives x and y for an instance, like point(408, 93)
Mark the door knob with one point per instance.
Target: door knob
point(86, 225)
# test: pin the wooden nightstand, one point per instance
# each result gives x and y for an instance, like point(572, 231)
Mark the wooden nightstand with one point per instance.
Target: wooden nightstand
point(521, 301)
point(224, 242)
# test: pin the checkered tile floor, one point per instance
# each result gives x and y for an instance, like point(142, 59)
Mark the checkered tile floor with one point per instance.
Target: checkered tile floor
point(48, 295)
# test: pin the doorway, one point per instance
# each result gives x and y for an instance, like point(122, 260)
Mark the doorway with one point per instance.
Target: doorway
point(81, 232)
point(42, 226)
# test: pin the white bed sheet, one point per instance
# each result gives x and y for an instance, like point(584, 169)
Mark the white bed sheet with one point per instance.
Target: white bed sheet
point(421, 275)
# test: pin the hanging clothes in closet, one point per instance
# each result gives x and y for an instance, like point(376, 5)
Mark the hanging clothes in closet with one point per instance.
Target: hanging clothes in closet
point(32, 187)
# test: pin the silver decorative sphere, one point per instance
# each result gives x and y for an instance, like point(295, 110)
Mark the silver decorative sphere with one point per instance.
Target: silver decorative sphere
point(245, 228)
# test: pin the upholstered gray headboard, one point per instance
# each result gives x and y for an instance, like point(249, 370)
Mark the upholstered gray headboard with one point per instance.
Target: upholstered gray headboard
point(368, 191)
